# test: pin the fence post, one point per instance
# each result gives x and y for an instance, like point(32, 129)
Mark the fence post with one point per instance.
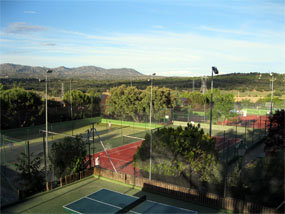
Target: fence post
point(4, 150)
point(28, 151)
point(265, 126)
point(47, 186)
point(189, 113)
point(245, 133)
point(226, 171)
point(121, 130)
point(252, 134)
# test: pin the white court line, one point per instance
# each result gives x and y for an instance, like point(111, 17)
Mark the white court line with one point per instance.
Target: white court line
point(156, 202)
point(111, 205)
point(72, 210)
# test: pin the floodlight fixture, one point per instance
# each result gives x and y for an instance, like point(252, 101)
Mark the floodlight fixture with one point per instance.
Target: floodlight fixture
point(215, 70)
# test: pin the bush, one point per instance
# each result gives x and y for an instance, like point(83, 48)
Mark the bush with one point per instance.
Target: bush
point(68, 156)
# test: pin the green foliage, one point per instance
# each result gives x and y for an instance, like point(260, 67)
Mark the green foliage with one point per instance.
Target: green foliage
point(162, 98)
point(130, 102)
point(246, 103)
point(196, 98)
point(95, 100)
point(80, 103)
point(276, 137)
point(236, 81)
point(32, 176)
point(177, 151)
point(68, 156)
point(125, 102)
point(1, 87)
point(222, 104)
point(20, 108)
point(264, 181)
point(277, 93)
point(235, 177)
point(277, 102)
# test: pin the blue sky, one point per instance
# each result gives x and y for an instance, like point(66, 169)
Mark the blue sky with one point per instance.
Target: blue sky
point(171, 38)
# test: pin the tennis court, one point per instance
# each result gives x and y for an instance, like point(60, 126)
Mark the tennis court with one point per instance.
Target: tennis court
point(108, 201)
point(122, 158)
point(53, 201)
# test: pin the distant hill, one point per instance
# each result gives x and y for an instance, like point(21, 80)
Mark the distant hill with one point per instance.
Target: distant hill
point(8, 70)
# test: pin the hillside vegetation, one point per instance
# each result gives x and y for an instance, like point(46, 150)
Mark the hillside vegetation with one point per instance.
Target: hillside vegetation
point(237, 83)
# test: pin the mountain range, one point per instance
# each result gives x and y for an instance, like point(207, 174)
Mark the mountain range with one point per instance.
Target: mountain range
point(9, 70)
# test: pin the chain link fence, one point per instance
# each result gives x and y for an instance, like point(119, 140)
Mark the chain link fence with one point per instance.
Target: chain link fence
point(115, 141)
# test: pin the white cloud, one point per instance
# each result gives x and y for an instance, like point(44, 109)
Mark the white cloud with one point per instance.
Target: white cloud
point(30, 12)
point(166, 53)
point(158, 26)
point(22, 28)
point(227, 31)
point(48, 44)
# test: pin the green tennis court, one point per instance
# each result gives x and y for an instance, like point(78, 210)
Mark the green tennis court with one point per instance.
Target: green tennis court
point(108, 201)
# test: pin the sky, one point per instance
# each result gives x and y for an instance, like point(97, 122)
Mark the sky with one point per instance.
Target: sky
point(167, 37)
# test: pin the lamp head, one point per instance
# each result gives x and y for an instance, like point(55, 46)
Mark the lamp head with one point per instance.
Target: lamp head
point(153, 74)
point(215, 70)
point(49, 71)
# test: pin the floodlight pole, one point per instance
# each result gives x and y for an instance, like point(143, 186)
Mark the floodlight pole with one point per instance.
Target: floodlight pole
point(70, 97)
point(214, 70)
point(150, 112)
point(48, 71)
point(46, 152)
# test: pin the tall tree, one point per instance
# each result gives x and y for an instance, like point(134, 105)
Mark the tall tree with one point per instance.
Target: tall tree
point(79, 101)
point(162, 98)
point(20, 108)
point(68, 156)
point(124, 102)
point(223, 103)
point(32, 175)
point(180, 151)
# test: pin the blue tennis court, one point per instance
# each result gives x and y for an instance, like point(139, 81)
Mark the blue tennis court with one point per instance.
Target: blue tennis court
point(107, 201)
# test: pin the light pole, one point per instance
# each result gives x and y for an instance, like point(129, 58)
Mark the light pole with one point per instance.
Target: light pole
point(214, 70)
point(48, 72)
point(70, 97)
point(150, 112)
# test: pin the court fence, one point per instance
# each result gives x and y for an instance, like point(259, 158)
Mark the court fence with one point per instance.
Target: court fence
point(169, 190)
point(115, 133)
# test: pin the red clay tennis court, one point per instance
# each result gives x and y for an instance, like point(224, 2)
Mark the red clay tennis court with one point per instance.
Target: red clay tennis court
point(254, 121)
point(122, 158)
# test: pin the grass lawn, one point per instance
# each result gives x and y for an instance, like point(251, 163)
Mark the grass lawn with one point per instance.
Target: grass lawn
point(53, 201)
